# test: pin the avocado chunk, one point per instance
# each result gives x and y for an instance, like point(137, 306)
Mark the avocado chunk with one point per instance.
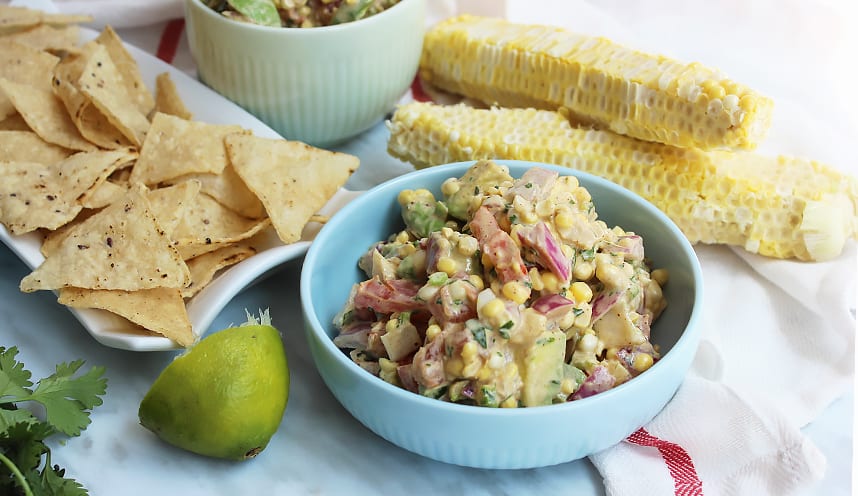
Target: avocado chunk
point(480, 176)
point(543, 372)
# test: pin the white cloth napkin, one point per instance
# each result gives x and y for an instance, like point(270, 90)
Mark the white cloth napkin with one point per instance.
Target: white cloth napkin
point(124, 13)
point(758, 377)
point(778, 340)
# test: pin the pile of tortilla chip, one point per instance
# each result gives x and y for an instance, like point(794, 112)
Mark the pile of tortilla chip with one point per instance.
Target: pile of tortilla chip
point(140, 206)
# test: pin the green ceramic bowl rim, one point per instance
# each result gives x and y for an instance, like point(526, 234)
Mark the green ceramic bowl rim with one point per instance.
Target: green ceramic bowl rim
point(308, 31)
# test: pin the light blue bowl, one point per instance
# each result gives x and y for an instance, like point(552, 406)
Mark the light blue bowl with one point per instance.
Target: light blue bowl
point(498, 438)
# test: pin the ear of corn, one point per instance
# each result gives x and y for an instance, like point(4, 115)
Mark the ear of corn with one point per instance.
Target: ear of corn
point(648, 97)
point(776, 206)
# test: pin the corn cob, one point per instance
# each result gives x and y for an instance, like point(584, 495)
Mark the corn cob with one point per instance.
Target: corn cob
point(776, 206)
point(648, 97)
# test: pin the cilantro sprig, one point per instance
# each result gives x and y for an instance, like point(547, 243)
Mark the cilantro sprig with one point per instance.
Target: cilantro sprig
point(67, 399)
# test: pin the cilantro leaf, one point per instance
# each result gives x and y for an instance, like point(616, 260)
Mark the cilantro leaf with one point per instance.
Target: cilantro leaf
point(52, 481)
point(11, 416)
point(14, 379)
point(67, 399)
point(23, 444)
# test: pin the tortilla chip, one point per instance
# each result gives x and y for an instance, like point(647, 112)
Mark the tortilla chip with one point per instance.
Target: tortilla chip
point(128, 69)
point(14, 123)
point(27, 146)
point(207, 225)
point(89, 120)
point(13, 18)
point(44, 37)
point(171, 203)
point(103, 195)
point(120, 247)
point(188, 146)
point(31, 196)
point(85, 171)
point(26, 65)
point(102, 83)
point(167, 99)
point(159, 309)
point(45, 114)
point(293, 180)
point(34, 196)
point(204, 267)
point(229, 190)
point(54, 238)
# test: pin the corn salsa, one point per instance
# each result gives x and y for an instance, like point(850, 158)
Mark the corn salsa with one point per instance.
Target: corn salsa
point(299, 13)
point(504, 293)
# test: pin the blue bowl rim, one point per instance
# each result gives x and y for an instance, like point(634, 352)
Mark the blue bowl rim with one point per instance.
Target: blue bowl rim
point(687, 342)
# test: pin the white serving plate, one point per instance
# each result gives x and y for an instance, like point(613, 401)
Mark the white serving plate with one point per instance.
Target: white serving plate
point(207, 106)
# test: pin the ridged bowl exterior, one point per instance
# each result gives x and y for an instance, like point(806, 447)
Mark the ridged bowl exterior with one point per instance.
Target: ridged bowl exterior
point(317, 85)
point(484, 437)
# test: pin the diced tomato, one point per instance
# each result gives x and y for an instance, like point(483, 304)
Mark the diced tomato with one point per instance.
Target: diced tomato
point(394, 295)
point(499, 247)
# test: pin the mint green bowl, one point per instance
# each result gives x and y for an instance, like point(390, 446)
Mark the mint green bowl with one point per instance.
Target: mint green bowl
point(319, 85)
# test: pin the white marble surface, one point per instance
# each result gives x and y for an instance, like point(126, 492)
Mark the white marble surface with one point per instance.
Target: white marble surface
point(793, 50)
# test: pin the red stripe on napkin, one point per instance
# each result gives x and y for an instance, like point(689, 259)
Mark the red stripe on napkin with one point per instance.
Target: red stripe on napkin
point(169, 43)
point(417, 91)
point(685, 479)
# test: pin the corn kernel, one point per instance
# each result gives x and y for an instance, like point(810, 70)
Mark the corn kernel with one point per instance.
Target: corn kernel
point(581, 292)
point(450, 186)
point(583, 271)
point(611, 353)
point(493, 308)
point(567, 320)
point(544, 208)
point(402, 237)
point(472, 367)
point(469, 350)
point(486, 261)
point(535, 279)
point(588, 342)
point(496, 361)
point(564, 220)
point(642, 362)
point(427, 292)
point(567, 386)
point(515, 291)
point(432, 331)
point(510, 402)
point(447, 264)
point(407, 249)
point(484, 374)
point(467, 246)
point(611, 275)
point(406, 196)
point(713, 89)
point(660, 276)
point(550, 282)
point(477, 281)
point(457, 291)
